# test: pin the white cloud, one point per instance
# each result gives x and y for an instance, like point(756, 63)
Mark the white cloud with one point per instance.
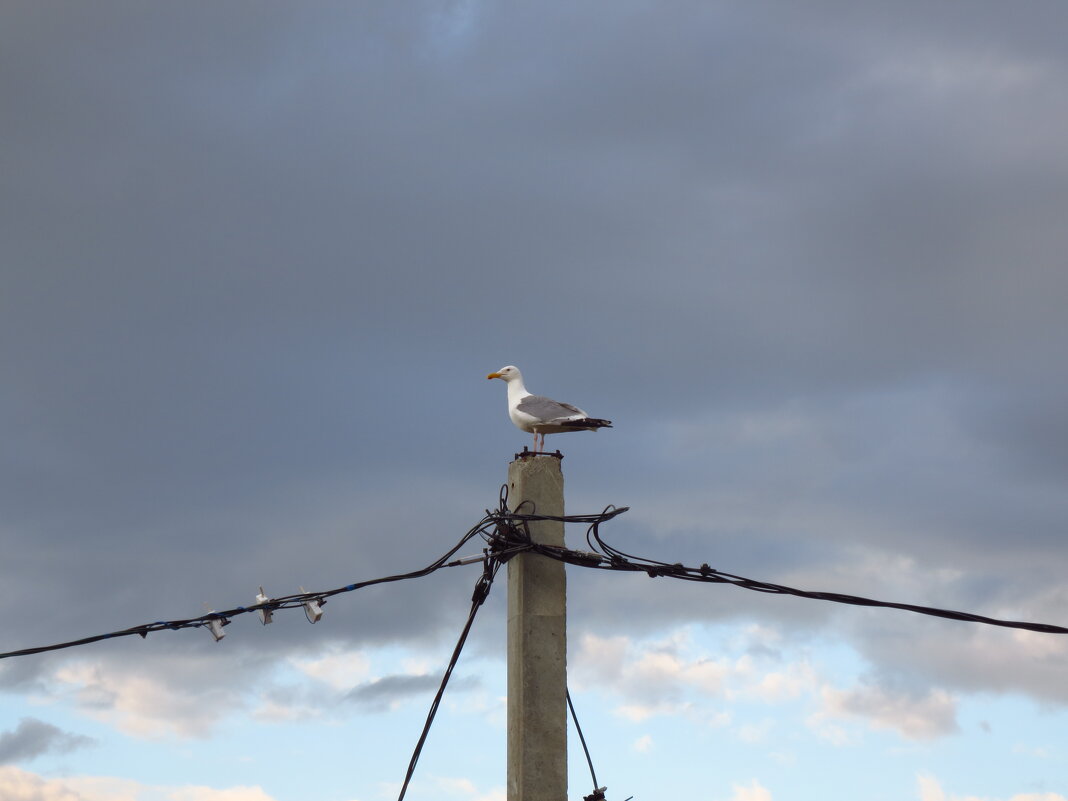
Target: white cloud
point(644, 744)
point(466, 789)
point(211, 794)
point(653, 678)
point(662, 669)
point(754, 792)
point(20, 785)
point(917, 717)
point(187, 694)
point(790, 682)
point(332, 675)
point(832, 733)
point(149, 703)
point(340, 669)
point(455, 786)
point(275, 710)
point(930, 789)
point(673, 676)
point(636, 713)
point(980, 659)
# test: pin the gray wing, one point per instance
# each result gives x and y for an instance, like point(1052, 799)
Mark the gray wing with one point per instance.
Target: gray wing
point(543, 408)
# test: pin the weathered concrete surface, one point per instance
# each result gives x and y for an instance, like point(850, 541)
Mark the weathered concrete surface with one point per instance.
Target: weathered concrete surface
point(537, 642)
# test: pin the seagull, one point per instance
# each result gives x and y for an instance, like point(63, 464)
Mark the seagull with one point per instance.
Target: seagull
point(539, 415)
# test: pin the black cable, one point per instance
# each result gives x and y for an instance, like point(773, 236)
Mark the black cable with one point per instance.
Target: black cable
point(503, 527)
point(482, 588)
point(611, 558)
point(284, 602)
point(507, 533)
point(483, 528)
point(578, 728)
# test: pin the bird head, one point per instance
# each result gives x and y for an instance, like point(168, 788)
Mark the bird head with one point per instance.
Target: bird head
point(509, 373)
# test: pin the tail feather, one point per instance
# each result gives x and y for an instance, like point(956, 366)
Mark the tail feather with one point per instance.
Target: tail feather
point(592, 423)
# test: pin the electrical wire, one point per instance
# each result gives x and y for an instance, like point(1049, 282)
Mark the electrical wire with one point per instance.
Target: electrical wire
point(490, 567)
point(482, 528)
point(501, 547)
point(604, 556)
point(486, 528)
point(509, 533)
point(506, 533)
point(578, 728)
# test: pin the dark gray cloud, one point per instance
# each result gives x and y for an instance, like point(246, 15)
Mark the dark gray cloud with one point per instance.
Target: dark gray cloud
point(380, 694)
point(33, 738)
point(257, 261)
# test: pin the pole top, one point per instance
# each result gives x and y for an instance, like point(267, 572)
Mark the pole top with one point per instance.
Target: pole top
point(529, 454)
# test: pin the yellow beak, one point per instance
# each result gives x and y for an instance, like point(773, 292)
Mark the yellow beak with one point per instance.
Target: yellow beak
point(494, 375)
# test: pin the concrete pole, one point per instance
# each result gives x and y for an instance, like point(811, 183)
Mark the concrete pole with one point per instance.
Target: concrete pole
point(537, 641)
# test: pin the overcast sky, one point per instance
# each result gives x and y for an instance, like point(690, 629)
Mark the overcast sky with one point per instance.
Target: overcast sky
point(257, 258)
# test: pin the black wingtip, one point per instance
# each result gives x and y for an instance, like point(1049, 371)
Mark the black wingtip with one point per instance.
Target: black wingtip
point(587, 424)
